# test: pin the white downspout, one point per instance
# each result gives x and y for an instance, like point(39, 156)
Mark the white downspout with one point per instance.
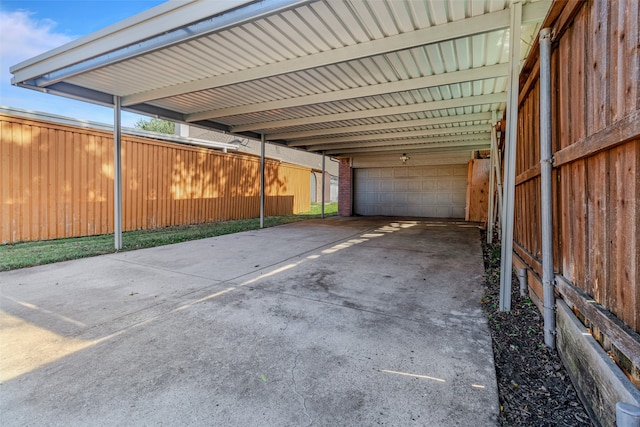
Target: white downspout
point(546, 166)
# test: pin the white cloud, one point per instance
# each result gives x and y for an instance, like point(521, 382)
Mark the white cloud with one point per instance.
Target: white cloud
point(23, 37)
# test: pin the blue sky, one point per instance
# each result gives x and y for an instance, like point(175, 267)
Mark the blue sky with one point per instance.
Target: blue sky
point(28, 28)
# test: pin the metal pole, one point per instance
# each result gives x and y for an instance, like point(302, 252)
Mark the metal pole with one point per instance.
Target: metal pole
point(262, 181)
point(524, 282)
point(117, 173)
point(510, 157)
point(492, 182)
point(627, 415)
point(322, 198)
point(546, 165)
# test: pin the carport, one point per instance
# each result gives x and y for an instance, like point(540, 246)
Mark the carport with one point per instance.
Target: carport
point(402, 92)
point(388, 87)
point(376, 84)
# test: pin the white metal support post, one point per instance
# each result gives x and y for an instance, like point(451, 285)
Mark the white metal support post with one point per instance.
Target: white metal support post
point(322, 197)
point(546, 190)
point(510, 157)
point(117, 173)
point(262, 144)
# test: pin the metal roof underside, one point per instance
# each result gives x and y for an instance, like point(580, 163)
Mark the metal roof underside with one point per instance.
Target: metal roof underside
point(344, 77)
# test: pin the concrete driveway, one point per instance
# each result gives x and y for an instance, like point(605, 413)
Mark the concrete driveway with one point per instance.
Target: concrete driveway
point(344, 321)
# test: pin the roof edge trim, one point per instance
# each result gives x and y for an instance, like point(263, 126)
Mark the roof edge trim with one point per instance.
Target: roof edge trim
point(156, 28)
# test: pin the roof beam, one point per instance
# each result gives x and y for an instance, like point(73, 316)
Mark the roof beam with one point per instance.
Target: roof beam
point(393, 135)
point(469, 145)
point(471, 74)
point(381, 126)
point(378, 112)
point(483, 136)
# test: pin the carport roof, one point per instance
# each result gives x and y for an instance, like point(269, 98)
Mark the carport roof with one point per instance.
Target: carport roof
point(344, 77)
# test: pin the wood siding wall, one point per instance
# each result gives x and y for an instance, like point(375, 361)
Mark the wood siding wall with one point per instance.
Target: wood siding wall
point(57, 181)
point(596, 144)
point(478, 190)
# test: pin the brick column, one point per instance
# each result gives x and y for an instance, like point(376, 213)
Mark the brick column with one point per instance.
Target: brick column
point(345, 188)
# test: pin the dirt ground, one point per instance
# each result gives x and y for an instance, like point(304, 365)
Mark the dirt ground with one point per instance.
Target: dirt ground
point(533, 385)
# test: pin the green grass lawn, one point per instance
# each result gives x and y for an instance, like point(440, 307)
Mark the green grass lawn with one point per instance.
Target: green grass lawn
point(28, 254)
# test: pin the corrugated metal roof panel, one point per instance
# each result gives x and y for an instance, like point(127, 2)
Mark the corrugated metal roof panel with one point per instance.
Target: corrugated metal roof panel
point(309, 83)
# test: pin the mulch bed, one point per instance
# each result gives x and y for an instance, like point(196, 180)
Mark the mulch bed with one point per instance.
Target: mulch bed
point(533, 385)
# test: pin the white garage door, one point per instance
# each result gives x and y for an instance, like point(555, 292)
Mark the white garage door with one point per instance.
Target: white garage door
point(421, 191)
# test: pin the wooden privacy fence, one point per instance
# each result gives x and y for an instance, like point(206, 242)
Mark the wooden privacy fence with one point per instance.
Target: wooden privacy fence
point(595, 99)
point(57, 181)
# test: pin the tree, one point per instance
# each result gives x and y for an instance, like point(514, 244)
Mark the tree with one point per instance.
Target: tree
point(156, 125)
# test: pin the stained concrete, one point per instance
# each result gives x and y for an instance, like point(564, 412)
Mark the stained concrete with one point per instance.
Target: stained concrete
point(344, 321)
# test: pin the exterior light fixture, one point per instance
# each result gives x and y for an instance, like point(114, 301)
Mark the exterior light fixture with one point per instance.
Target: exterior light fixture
point(404, 158)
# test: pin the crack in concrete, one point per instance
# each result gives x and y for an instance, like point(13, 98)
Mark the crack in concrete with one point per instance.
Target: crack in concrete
point(295, 389)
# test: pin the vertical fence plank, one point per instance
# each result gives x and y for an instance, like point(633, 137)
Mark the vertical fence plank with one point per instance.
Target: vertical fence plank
point(36, 183)
point(625, 162)
point(625, 90)
point(567, 223)
point(6, 144)
point(43, 154)
point(564, 91)
point(578, 100)
point(580, 231)
point(598, 74)
point(598, 221)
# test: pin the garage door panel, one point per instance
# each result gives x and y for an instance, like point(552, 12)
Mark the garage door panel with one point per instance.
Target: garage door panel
point(414, 186)
point(415, 172)
point(414, 199)
point(459, 199)
point(400, 185)
point(429, 199)
point(430, 185)
point(422, 191)
point(385, 198)
point(457, 212)
point(400, 198)
point(444, 184)
point(400, 172)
